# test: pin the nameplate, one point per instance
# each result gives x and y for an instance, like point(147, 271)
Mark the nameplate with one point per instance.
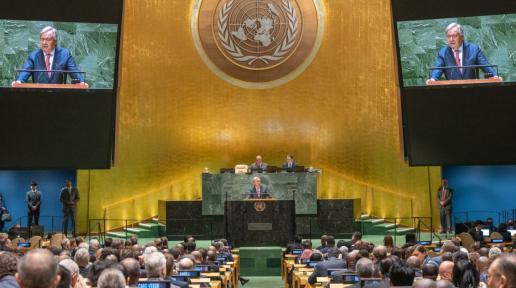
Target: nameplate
point(259, 226)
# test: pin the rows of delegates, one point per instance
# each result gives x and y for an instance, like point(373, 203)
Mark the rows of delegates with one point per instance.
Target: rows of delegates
point(120, 263)
point(411, 265)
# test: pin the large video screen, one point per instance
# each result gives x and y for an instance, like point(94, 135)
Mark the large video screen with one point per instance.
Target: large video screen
point(486, 48)
point(456, 64)
point(91, 46)
point(59, 81)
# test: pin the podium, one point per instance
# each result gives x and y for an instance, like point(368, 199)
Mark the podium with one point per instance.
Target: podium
point(50, 86)
point(260, 222)
point(464, 82)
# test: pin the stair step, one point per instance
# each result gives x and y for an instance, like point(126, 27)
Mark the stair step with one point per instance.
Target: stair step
point(390, 226)
point(378, 221)
point(118, 234)
point(401, 231)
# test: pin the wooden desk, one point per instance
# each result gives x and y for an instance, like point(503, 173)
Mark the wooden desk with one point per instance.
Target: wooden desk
point(82, 86)
point(464, 82)
point(300, 277)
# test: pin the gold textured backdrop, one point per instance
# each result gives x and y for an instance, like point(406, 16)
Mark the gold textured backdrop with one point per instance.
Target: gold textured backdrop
point(176, 117)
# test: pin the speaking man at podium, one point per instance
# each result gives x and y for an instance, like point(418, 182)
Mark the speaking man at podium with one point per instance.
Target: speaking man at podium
point(258, 191)
point(49, 57)
point(459, 53)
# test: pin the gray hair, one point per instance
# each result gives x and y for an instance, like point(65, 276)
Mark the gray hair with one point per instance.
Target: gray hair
point(70, 265)
point(455, 25)
point(82, 257)
point(52, 30)
point(155, 262)
point(494, 252)
point(38, 268)
point(94, 243)
point(111, 278)
point(365, 268)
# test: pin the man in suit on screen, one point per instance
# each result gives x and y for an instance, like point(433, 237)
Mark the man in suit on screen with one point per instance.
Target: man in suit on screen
point(459, 53)
point(259, 191)
point(49, 57)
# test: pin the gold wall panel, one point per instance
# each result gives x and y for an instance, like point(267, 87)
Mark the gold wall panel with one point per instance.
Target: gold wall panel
point(176, 117)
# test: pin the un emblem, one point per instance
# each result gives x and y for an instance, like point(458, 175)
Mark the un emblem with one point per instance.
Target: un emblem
point(257, 43)
point(259, 206)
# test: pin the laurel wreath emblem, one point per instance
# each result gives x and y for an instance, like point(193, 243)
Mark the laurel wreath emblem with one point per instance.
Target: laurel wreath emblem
point(236, 52)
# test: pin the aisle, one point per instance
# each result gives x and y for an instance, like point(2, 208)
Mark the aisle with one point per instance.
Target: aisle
point(263, 282)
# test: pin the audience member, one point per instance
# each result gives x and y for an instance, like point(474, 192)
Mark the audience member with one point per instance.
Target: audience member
point(132, 268)
point(111, 278)
point(401, 275)
point(8, 268)
point(430, 271)
point(332, 261)
point(502, 272)
point(424, 283)
point(465, 275)
point(446, 271)
point(38, 268)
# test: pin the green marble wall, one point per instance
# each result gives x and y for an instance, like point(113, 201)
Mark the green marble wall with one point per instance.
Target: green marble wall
point(92, 45)
point(420, 41)
point(283, 186)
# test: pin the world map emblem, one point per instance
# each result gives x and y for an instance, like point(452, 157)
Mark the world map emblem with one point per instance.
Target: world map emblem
point(257, 43)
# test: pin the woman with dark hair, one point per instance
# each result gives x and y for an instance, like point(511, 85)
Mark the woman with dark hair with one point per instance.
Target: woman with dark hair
point(465, 275)
point(388, 242)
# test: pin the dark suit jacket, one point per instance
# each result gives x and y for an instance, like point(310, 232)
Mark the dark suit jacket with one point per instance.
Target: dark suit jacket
point(447, 200)
point(471, 55)
point(63, 60)
point(69, 199)
point(285, 165)
point(321, 269)
point(262, 166)
point(477, 235)
point(264, 193)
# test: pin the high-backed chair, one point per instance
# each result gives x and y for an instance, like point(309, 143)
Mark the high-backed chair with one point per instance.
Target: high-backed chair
point(467, 240)
point(56, 239)
point(35, 242)
point(496, 235)
point(16, 241)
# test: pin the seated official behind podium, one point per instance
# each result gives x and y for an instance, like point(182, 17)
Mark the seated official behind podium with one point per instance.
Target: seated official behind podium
point(459, 53)
point(258, 165)
point(49, 57)
point(290, 164)
point(259, 191)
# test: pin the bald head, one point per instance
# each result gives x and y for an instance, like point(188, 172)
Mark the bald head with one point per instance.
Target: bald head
point(446, 270)
point(186, 264)
point(38, 268)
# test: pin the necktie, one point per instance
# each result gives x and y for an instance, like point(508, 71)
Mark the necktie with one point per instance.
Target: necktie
point(47, 64)
point(443, 194)
point(457, 59)
point(258, 192)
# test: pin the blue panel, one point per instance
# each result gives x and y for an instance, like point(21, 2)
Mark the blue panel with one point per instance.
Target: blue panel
point(483, 189)
point(15, 184)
